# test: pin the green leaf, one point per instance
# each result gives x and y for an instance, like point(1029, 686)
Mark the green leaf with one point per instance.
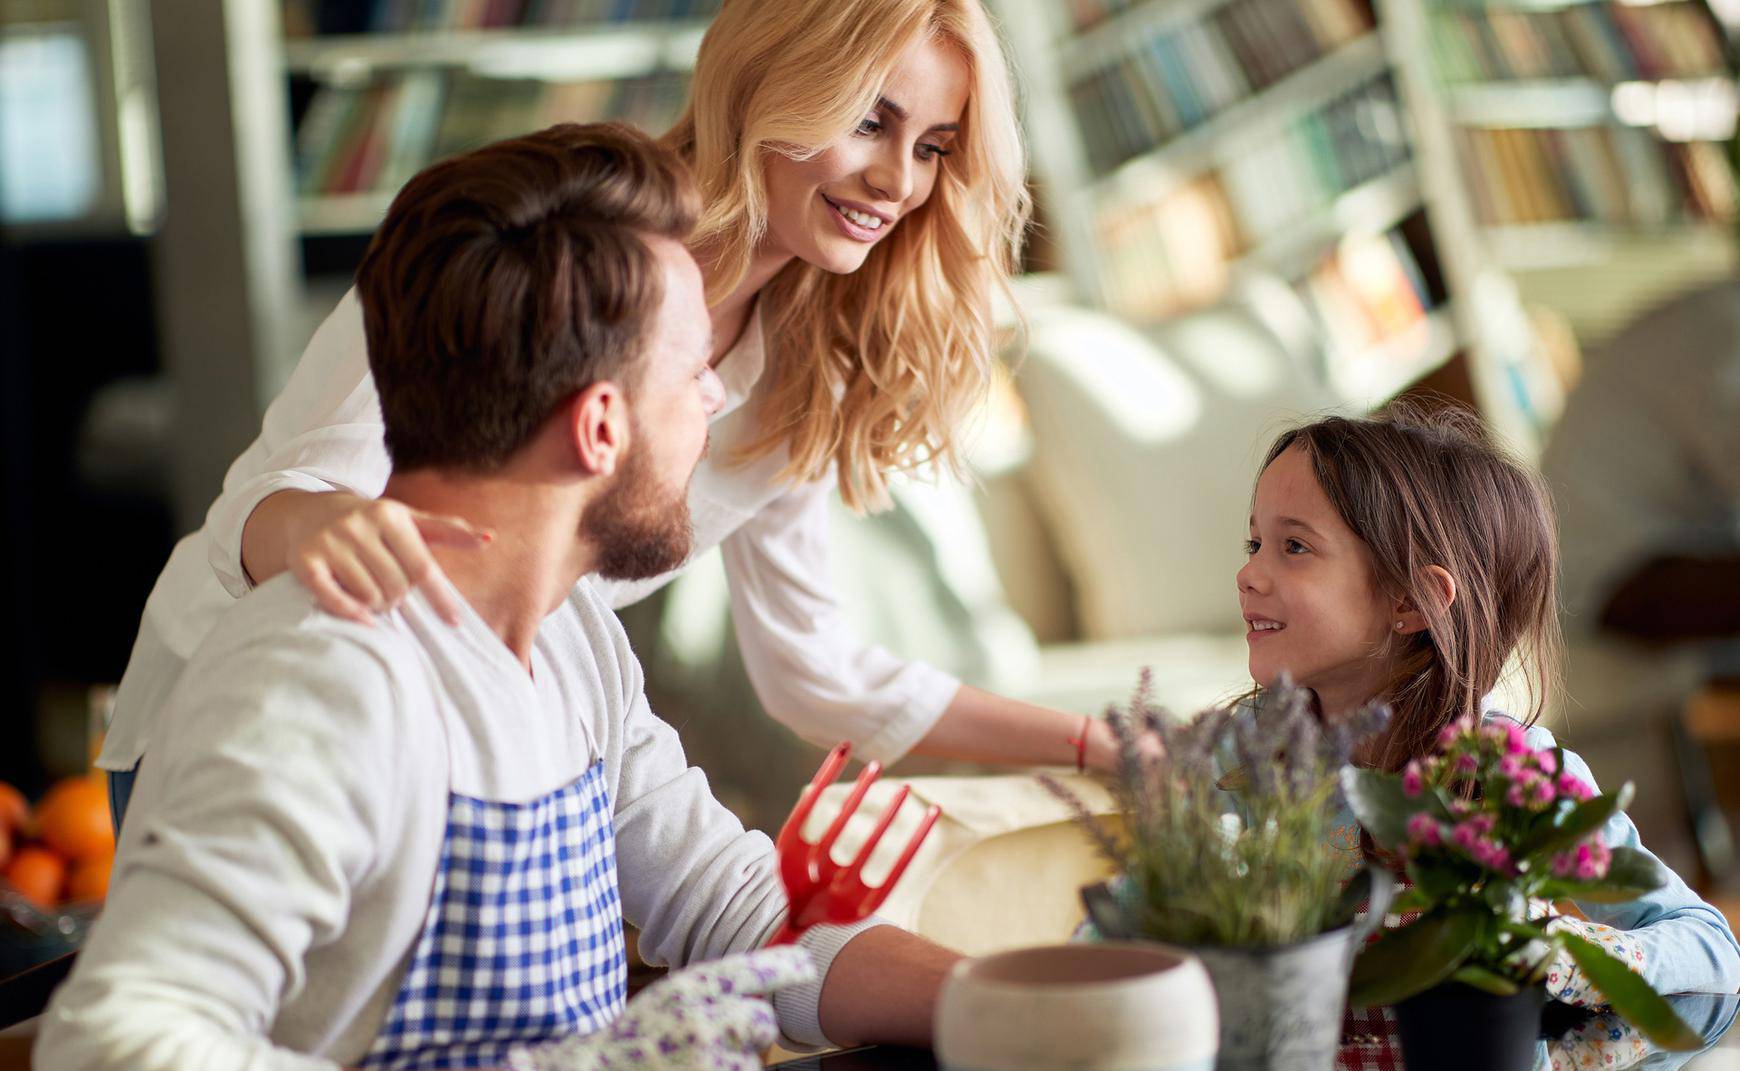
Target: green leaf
point(1569, 827)
point(1631, 997)
point(1414, 958)
point(1630, 874)
point(1381, 806)
point(1481, 978)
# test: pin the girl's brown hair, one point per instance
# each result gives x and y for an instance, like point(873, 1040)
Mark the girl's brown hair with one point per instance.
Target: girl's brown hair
point(1425, 487)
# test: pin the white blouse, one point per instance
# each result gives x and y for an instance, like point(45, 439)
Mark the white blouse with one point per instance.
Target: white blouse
point(323, 432)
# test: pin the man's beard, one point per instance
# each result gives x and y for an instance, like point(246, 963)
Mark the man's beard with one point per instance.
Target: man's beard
point(641, 528)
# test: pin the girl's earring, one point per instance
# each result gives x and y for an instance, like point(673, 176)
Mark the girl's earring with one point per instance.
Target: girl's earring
point(1400, 625)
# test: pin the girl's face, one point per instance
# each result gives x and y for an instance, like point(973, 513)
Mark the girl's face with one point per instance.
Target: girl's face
point(1309, 592)
point(830, 209)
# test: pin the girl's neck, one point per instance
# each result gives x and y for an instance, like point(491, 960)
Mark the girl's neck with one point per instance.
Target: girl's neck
point(731, 314)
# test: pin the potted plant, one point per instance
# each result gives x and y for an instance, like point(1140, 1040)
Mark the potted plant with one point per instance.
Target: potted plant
point(1229, 846)
point(1492, 832)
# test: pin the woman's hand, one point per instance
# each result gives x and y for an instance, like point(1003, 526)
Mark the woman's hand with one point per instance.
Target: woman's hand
point(362, 556)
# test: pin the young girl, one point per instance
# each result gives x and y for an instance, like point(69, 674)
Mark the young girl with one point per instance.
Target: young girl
point(1404, 559)
point(863, 181)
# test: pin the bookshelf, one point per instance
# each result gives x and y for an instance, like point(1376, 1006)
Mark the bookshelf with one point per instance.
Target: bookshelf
point(379, 90)
point(1190, 144)
point(1590, 135)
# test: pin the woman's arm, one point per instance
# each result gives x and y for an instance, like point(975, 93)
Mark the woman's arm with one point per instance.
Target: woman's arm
point(814, 675)
point(301, 497)
point(980, 726)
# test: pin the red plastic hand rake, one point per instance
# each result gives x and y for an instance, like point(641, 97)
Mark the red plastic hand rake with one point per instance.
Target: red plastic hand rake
point(819, 889)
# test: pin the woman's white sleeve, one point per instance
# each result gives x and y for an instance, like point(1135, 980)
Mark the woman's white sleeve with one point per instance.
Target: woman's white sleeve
point(810, 671)
point(322, 433)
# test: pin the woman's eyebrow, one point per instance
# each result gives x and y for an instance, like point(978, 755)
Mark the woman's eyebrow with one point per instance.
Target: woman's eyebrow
point(903, 115)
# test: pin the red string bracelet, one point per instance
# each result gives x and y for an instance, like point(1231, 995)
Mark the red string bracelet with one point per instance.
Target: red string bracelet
point(1080, 744)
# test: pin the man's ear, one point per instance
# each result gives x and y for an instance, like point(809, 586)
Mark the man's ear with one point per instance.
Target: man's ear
point(596, 420)
point(1408, 618)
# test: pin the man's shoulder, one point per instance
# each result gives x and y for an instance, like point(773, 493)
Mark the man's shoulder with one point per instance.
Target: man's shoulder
point(276, 644)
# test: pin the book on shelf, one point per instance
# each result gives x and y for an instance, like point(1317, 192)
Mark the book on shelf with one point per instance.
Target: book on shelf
point(1160, 81)
point(1172, 251)
point(372, 138)
point(1616, 175)
point(1368, 292)
point(1608, 42)
point(328, 17)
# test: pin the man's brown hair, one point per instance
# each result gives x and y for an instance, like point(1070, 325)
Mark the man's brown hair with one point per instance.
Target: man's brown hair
point(506, 279)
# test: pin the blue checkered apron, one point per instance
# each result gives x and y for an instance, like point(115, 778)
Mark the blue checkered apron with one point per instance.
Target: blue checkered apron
point(523, 941)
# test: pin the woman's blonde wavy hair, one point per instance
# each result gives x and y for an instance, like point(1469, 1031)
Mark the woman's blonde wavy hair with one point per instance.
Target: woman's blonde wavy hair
point(875, 371)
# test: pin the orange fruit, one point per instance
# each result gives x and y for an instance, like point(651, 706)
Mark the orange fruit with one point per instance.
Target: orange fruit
point(89, 879)
point(5, 846)
point(73, 819)
point(37, 874)
point(14, 808)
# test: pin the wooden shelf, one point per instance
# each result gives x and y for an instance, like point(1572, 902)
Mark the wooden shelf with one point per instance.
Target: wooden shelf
point(1568, 102)
point(615, 50)
point(1371, 208)
point(1211, 142)
point(1535, 5)
point(1568, 243)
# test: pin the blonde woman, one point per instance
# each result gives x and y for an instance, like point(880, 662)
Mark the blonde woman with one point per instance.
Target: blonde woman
point(863, 179)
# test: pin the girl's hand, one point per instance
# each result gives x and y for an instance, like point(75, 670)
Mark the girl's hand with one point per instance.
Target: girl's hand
point(1566, 981)
point(362, 556)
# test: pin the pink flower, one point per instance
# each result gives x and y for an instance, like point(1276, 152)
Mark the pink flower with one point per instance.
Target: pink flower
point(1465, 836)
point(1516, 741)
point(1466, 763)
point(1447, 736)
point(1517, 796)
point(1423, 832)
point(1411, 780)
point(1510, 766)
point(1544, 793)
point(1545, 760)
point(1563, 865)
point(1574, 787)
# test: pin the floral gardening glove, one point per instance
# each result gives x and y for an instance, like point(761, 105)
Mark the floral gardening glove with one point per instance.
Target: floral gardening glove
point(1603, 1042)
point(1566, 982)
point(712, 1016)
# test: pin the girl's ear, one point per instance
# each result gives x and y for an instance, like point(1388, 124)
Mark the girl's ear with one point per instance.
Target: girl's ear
point(1409, 618)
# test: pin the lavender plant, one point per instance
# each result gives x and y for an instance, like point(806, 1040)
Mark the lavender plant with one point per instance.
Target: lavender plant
point(1229, 837)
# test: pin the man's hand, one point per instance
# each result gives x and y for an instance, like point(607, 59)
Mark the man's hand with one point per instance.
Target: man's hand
point(707, 1017)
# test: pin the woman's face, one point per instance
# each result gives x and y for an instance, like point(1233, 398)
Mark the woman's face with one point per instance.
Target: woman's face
point(830, 209)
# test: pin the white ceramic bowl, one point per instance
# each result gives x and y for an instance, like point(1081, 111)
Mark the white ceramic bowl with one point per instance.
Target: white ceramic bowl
point(1093, 1007)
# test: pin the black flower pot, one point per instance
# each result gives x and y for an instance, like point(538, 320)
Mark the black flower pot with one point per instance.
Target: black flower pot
point(1452, 1027)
